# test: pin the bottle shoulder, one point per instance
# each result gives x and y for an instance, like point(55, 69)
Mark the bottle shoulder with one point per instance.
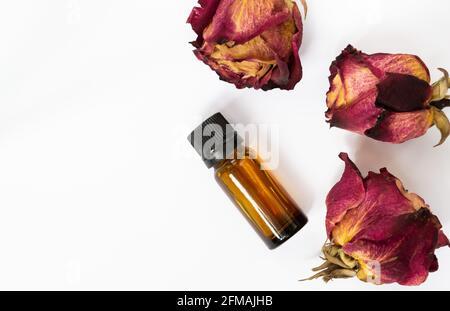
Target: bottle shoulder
point(238, 160)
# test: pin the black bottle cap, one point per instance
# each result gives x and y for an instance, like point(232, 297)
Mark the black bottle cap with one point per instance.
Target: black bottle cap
point(215, 140)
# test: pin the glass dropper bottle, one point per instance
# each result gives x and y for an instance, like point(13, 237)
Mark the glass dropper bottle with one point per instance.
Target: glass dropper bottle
point(258, 195)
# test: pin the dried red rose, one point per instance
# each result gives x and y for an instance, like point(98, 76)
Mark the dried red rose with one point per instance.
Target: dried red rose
point(379, 232)
point(250, 43)
point(387, 97)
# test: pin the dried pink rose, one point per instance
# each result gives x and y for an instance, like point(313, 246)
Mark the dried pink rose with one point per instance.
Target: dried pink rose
point(379, 232)
point(250, 43)
point(387, 97)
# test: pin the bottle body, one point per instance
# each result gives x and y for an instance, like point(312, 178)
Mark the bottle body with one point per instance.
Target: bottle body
point(263, 201)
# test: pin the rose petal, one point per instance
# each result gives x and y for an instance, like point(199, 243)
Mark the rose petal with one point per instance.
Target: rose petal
point(403, 93)
point(280, 75)
point(434, 265)
point(359, 117)
point(240, 21)
point(347, 194)
point(295, 65)
point(406, 256)
point(281, 78)
point(350, 79)
point(242, 74)
point(201, 17)
point(245, 65)
point(293, 60)
point(382, 63)
point(336, 93)
point(279, 38)
point(285, 41)
point(256, 50)
point(443, 240)
point(373, 219)
point(399, 127)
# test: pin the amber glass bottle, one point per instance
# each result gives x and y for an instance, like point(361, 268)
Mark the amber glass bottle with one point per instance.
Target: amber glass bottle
point(257, 194)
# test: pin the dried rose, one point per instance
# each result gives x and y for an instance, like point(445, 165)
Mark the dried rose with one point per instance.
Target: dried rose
point(387, 97)
point(250, 43)
point(378, 231)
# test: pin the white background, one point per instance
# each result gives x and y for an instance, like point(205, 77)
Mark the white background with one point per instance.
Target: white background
point(98, 186)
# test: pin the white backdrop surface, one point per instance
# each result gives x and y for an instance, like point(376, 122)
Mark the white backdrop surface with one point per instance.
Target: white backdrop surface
point(98, 186)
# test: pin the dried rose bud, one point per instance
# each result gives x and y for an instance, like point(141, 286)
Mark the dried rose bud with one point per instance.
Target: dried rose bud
point(250, 43)
point(379, 232)
point(387, 97)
